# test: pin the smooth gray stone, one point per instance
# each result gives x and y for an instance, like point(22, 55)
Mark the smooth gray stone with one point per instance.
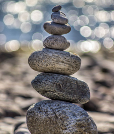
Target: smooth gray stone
point(56, 42)
point(61, 87)
point(59, 117)
point(54, 61)
point(56, 8)
point(59, 17)
point(57, 29)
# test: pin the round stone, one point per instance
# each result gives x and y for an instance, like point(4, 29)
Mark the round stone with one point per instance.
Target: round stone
point(55, 28)
point(59, 17)
point(59, 117)
point(56, 8)
point(56, 42)
point(54, 61)
point(61, 87)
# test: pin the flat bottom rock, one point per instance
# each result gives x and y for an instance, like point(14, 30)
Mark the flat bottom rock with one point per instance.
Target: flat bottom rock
point(61, 87)
point(59, 117)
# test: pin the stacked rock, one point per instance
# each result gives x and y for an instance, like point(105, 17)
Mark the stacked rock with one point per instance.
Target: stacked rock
point(59, 115)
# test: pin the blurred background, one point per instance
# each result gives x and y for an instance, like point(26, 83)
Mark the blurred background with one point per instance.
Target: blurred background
point(91, 36)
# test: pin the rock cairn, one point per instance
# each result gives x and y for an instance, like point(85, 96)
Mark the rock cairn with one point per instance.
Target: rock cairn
point(59, 115)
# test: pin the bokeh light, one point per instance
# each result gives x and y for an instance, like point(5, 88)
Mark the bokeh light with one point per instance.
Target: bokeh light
point(102, 16)
point(26, 27)
point(90, 46)
point(86, 46)
point(37, 44)
point(38, 36)
point(78, 24)
point(72, 16)
point(37, 16)
point(88, 10)
point(13, 7)
point(25, 45)
point(20, 6)
point(108, 43)
point(84, 19)
point(99, 32)
point(90, 20)
point(85, 31)
point(12, 45)
point(24, 16)
point(31, 2)
point(72, 19)
point(78, 3)
point(104, 3)
point(10, 7)
point(8, 19)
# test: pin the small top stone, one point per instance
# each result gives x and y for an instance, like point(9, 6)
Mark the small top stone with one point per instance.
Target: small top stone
point(59, 17)
point(56, 8)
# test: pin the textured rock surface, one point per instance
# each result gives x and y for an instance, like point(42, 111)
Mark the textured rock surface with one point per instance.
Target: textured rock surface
point(56, 42)
point(54, 28)
point(56, 8)
point(54, 61)
point(61, 87)
point(15, 89)
point(59, 117)
point(59, 17)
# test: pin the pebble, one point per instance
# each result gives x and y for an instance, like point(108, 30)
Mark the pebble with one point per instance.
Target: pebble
point(54, 28)
point(22, 129)
point(61, 87)
point(10, 109)
point(56, 8)
point(59, 17)
point(56, 42)
point(55, 61)
point(59, 117)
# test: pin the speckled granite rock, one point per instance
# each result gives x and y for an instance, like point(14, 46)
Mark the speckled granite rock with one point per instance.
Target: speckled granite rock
point(57, 29)
point(59, 117)
point(56, 8)
point(56, 42)
point(54, 61)
point(59, 17)
point(61, 87)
